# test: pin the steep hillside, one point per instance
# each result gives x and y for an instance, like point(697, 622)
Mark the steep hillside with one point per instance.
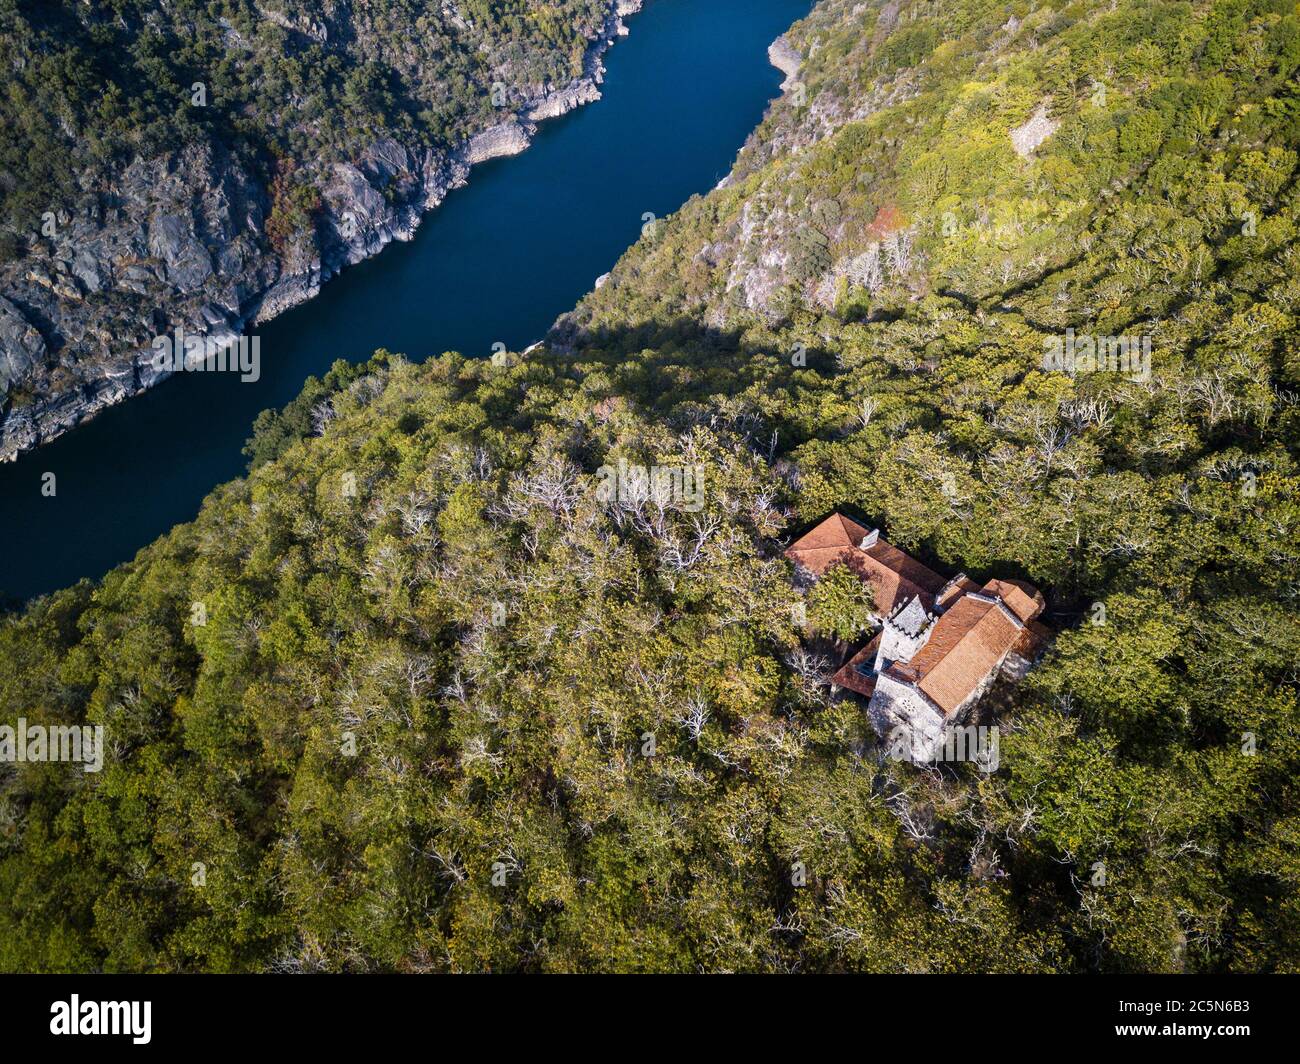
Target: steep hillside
point(422, 693)
point(208, 165)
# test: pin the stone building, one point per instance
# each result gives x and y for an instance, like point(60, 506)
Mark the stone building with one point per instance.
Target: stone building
point(940, 645)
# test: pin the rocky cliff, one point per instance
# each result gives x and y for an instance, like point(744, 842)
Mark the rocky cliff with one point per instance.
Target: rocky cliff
point(182, 240)
point(783, 55)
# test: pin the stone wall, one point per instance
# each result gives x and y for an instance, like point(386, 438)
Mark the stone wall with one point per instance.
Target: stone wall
point(901, 714)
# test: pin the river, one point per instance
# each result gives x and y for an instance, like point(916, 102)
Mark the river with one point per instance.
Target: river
point(497, 262)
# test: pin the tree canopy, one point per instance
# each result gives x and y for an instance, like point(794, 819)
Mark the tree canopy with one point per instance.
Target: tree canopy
point(451, 708)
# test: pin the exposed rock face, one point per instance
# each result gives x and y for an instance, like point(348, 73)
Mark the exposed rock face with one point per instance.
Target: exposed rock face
point(565, 100)
point(782, 55)
point(509, 138)
point(1025, 138)
point(304, 24)
point(181, 232)
point(179, 241)
point(20, 345)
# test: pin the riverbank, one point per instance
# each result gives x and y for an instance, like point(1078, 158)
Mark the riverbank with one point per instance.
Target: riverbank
point(380, 197)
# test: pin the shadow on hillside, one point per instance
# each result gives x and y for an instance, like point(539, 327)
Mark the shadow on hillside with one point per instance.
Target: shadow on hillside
point(682, 361)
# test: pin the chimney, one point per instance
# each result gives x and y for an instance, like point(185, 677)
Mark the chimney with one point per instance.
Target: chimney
point(869, 540)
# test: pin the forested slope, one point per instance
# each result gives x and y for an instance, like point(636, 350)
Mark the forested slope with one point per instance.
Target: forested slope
point(452, 708)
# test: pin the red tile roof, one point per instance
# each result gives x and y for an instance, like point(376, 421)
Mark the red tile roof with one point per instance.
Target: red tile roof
point(976, 629)
point(971, 639)
point(1024, 600)
point(1032, 640)
point(954, 589)
point(833, 540)
point(892, 575)
point(850, 677)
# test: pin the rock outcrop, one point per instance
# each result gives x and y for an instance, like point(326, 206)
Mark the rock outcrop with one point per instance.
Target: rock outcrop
point(508, 138)
point(564, 100)
point(1036, 129)
point(180, 241)
point(783, 55)
point(21, 346)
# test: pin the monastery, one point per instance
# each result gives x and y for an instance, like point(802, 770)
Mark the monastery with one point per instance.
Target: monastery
point(940, 644)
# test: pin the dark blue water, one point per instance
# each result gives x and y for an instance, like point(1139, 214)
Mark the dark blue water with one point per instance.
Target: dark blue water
point(497, 262)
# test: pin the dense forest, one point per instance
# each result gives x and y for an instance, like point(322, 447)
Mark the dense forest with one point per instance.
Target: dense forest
point(415, 695)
